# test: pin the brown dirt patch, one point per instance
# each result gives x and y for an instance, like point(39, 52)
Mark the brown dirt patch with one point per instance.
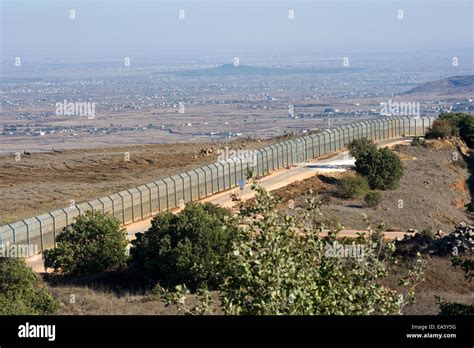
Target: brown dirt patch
point(41, 182)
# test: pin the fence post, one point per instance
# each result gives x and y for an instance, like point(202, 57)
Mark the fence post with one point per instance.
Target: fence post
point(13, 233)
point(54, 227)
point(27, 235)
point(123, 208)
point(41, 233)
point(90, 205)
point(337, 135)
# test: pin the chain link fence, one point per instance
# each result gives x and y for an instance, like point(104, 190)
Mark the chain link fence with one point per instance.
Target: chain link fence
point(143, 201)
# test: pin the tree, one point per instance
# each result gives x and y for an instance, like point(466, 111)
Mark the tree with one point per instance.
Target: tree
point(359, 147)
point(440, 128)
point(453, 124)
point(280, 265)
point(186, 248)
point(382, 167)
point(21, 291)
point(95, 242)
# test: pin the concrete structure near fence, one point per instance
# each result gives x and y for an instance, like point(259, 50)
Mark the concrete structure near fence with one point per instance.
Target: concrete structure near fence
point(167, 193)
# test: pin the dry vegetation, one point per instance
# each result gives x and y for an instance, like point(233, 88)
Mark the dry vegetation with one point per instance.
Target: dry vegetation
point(95, 297)
point(432, 193)
point(41, 182)
point(431, 188)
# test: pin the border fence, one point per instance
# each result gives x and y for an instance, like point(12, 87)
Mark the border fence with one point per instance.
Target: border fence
point(143, 201)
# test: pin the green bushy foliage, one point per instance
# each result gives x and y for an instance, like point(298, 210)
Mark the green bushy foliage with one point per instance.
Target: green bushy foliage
point(185, 248)
point(373, 199)
point(428, 233)
point(382, 167)
point(469, 207)
point(21, 291)
point(353, 186)
point(95, 242)
point(440, 129)
point(360, 147)
point(280, 265)
point(417, 142)
point(453, 124)
point(454, 308)
point(462, 124)
point(466, 265)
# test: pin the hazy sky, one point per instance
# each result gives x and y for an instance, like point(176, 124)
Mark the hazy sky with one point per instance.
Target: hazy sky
point(128, 28)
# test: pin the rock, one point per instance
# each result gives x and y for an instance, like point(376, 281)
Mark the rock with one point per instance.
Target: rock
point(461, 224)
point(461, 240)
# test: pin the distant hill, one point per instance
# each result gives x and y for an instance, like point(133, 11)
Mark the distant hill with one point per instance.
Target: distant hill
point(230, 69)
point(450, 85)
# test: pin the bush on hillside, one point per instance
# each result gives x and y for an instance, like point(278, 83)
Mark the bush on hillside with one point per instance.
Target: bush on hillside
point(373, 199)
point(21, 291)
point(353, 186)
point(454, 308)
point(463, 125)
point(440, 129)
point(280, 265)
point(359, 147)
point(453, 124)
point(185, 248)
point(418, 142)
point(382, 167)
point(95, 242)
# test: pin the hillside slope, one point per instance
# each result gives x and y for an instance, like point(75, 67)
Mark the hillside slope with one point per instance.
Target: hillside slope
point(451, 85)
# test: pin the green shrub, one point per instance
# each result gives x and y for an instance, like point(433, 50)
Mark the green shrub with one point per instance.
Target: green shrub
point(21, 291)
point(359, 147)
point(280, 265)
point(186, 248)
point(428, 233)
point(462, 124)
point(95, 242)
point(441, 128)
point(418, 142)
point(453, 124)
point(353, 186)
point(470, 207)
point(453, 308)
point(275, 269)
point(373, 199)
point(382, 167)
point(466, 265)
